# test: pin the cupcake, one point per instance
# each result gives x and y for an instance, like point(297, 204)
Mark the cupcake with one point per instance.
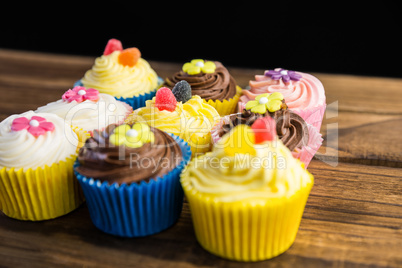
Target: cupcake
point(37, 153)
point(212, 82)
point(302, 140)
point(87, 109)
point(123, 74)
point(304, 94)
point(248, 195)
point(179, 112)
point(130, 178)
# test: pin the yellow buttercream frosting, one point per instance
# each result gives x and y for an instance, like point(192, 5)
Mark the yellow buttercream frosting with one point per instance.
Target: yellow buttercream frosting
point(109, 76)
point(267, 172)
point(191, 121)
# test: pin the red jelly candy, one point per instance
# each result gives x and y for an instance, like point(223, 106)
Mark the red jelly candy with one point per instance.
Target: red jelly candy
point(112, 45)
point(165, 100)
point(264, 129)
point(129, 56)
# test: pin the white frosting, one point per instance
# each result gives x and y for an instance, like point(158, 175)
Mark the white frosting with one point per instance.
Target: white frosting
point(20, 149)
point(89, 115)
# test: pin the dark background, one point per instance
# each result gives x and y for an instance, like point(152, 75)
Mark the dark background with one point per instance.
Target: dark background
point(330, 37)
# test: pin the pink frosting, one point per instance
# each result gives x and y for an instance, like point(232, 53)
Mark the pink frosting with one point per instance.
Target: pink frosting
point(307, 93)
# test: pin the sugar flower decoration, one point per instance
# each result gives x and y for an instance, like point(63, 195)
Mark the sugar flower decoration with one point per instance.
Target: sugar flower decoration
point(36, 125)
point(80, 94)
point(285, 75)
point(197, 66)
point(262, 103)
point(133, 137)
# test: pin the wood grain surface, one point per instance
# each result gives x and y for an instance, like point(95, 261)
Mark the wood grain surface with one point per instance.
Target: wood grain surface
point(353, 217)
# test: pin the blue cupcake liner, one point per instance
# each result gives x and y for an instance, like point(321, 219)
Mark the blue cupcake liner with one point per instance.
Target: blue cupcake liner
point(136, 101)
point(137, 209)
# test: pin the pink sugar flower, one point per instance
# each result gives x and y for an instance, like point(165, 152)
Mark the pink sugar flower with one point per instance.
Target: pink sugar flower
point(80, 94)
point(36, 125)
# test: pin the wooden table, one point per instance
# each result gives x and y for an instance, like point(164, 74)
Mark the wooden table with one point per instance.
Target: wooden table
point(353, 216)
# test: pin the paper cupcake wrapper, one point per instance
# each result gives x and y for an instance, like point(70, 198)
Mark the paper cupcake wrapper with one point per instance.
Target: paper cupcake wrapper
point(226, 107)
point(136, 101)
point(305, 154)
point(40, 194)
point(199, 144)
point(138, 209)
point(246, 231)
point(218, 126)
point(313, 116)
point(82, 136)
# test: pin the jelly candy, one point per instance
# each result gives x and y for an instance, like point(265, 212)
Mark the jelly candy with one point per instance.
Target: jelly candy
point(129, 56)
point(165, 100)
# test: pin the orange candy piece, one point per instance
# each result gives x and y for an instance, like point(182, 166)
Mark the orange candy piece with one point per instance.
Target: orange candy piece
point(129, 56)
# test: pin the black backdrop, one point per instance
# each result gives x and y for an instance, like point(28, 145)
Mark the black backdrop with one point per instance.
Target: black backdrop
point(333, 37)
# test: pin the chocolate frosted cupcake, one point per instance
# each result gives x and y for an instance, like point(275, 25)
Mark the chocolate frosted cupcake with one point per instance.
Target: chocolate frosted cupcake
point(212, 82)
point(130, 178)
point(292, 130)
point(106, 162)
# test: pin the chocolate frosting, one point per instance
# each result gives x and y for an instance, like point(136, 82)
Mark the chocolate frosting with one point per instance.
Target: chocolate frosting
point(290, 127)
point(219, 85)
point(104, 161)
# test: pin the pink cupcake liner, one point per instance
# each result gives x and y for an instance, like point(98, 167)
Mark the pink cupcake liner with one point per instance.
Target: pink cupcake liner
point(218, 126)
point(305, 154)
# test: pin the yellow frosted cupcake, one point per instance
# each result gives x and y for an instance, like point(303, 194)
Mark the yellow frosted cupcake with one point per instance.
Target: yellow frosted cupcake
point(122, 73)
point(177, 112)
point(212, 82)
point(37, 153)
point(248, 195)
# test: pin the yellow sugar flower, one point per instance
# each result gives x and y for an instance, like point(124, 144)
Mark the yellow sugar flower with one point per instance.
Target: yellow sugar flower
point(133, 137)
point(196, 66)
point(262, 103)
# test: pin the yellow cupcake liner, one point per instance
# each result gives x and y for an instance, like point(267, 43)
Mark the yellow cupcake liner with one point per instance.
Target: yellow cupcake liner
point(226, 107)
point(82, 136)
point(245, 230)
point(199, 144)
point(40, 194)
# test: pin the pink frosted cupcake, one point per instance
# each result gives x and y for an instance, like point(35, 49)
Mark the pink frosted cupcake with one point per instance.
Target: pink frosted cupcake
point(304, 94)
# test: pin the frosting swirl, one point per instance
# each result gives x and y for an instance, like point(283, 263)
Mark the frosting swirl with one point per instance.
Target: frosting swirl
point(89, 115)
point(20, 149)
point(271, 172)
point(121, 164)
point(109, 76)
point(291, 128)
point(193, 118)
point(219, 85)
point(306, 93)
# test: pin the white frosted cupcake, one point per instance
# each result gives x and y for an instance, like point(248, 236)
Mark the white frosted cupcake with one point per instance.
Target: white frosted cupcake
point(88, 109)
point(37, 153)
